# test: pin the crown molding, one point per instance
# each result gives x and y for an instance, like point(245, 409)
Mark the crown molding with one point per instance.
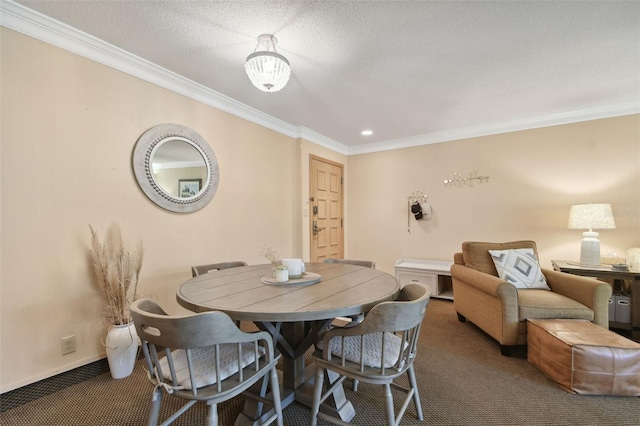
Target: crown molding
point(596, 113)
point(324, 141)
point(41, 27)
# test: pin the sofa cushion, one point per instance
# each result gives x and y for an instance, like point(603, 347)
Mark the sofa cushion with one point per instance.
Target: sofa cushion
point(519, 267)
point(476, 254)
point(543, 304)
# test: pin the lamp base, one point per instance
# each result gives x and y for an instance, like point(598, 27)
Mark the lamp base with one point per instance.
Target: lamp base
point(590, 249)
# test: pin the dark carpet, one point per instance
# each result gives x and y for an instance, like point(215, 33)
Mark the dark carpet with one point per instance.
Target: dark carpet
point(462, 377)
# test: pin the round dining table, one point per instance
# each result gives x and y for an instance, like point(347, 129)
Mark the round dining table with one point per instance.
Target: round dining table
point(294, 312)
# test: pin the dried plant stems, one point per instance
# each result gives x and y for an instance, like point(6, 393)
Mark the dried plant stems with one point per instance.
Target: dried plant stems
point(270, 253)
point(117, 271)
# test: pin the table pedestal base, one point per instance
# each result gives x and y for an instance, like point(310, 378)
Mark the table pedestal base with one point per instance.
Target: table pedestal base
point(293, 340)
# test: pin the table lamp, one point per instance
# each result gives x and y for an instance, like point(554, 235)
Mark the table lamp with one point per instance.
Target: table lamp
point(590, 216)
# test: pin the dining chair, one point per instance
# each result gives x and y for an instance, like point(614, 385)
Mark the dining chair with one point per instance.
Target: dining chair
point(205, 357)
point(365, 263)
point(353, 319)
point(203, 269)
point(377, 351)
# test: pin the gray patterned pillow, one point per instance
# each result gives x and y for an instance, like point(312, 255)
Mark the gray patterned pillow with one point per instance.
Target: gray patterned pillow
point(519, 267)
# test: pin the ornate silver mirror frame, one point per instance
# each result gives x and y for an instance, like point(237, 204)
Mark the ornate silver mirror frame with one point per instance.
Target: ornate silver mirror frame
point(185, 151)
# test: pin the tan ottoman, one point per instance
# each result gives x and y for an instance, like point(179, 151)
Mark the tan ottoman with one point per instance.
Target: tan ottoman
point(583, 357)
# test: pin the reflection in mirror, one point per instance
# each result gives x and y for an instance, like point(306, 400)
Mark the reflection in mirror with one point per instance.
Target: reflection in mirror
point(176, 168)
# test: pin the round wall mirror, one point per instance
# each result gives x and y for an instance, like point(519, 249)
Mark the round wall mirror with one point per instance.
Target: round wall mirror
point(176, 168)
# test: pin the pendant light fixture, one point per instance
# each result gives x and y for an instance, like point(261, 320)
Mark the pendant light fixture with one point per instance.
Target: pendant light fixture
point(268, 70)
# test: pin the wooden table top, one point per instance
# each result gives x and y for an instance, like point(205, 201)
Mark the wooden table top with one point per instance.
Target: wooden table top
point(604, 271)
point(344, 290)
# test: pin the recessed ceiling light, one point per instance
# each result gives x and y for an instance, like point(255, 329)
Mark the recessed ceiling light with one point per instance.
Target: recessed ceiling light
point(367, 132)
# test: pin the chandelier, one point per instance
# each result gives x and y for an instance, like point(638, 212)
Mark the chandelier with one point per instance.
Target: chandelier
point(268, 70)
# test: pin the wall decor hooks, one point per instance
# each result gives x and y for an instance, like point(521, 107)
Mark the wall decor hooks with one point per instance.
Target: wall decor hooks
point(460, 181)
point(417, 196)
point(418, 206)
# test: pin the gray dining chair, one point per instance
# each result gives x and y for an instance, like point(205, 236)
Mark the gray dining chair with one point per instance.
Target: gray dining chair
point(353, 319)
point(203, 269)
point(365, 263)
point(205, 357)
point(377, 351)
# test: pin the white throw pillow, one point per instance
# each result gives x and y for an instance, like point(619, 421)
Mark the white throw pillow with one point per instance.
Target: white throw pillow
point(519, 267)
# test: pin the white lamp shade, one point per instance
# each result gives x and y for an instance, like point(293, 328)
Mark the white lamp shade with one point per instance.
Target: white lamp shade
point(591, 216)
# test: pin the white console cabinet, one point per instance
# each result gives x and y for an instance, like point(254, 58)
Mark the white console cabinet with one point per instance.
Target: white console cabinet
point(435, 274)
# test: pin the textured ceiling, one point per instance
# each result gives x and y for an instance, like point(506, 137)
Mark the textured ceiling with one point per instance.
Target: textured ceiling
point(399, 68)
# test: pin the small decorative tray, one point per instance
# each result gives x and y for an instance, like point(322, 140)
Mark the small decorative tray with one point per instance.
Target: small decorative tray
point(620, 267)
point(307, 278)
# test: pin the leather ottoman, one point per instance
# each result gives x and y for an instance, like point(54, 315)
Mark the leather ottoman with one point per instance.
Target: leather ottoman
point(584, 358)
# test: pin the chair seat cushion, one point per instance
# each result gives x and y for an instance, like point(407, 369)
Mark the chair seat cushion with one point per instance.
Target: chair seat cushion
point(204, 364)
point(544, 304)
point(372, 353)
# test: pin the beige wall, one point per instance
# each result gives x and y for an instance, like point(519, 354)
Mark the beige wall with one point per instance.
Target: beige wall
point(68, 127)
point(535, 176)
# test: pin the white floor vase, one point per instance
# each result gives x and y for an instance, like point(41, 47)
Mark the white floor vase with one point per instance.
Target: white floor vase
point(122, 347)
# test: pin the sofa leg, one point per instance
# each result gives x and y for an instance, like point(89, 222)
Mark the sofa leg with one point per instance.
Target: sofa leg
point(461, 317)
point(505, 350)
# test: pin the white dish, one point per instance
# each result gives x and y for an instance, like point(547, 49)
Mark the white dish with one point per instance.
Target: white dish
point(307, 278)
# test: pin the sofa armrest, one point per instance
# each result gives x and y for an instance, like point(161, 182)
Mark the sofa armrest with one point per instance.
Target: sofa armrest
point(487, 301)
point(489, 284)
point(592, 293)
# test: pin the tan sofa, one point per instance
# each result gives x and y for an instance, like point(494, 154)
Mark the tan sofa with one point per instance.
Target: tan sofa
point(501, 310)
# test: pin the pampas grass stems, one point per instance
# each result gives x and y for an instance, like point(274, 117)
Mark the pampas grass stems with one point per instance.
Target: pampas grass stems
point(116, 271)
point(270, 253)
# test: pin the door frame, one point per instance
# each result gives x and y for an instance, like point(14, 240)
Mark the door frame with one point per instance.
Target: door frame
point(342, 191)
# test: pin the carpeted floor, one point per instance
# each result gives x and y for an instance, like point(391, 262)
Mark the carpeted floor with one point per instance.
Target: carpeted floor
point(463, 380)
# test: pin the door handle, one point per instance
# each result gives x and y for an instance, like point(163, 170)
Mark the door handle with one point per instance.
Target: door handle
point(315, 228)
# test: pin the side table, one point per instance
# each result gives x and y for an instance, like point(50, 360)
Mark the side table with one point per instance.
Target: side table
point(605, 271)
